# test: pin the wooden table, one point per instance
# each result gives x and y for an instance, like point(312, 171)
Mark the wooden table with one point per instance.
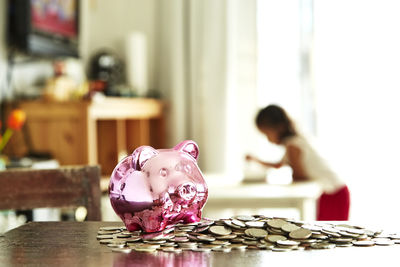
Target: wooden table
point(94, 132)
point(75, 244)
point(300, 196)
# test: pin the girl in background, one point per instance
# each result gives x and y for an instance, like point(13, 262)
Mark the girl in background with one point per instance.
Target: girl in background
point(306, 163)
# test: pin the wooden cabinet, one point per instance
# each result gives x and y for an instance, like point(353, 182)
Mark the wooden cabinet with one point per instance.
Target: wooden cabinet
point(88, 132)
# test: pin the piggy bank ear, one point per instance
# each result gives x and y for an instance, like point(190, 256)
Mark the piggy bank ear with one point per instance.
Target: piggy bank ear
point(189, 147)
point(141, 155)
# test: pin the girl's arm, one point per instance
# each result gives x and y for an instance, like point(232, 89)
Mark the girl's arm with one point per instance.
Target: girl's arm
point(294, 158)
point(264, 163)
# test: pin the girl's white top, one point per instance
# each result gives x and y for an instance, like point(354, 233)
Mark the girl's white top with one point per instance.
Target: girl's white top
point(315, 167)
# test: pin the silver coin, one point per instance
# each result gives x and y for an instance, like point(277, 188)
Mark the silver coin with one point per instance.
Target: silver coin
point(153, 236)
point(154, 241)
point(115, 245)
point(222, 249)
point(226, 237)
point(300, 233)
point(144, 249)
point(238, 223)
point(323, 245)
point(364, 243)
point(308, 241)
point(220, 242)
point(347, 234)
point(255, 224)
point(288, 243)
point(126, 233)
point(123, 250)
point(289, 227)
point(276, 223)
point(395, 236)
point(363, 237)
point(274, 238)
point(201, 249)
point(237, 240)
point(246, 237)
point(99, 237)
point(220, 230)
point(206, 238)
point(275, 231)
point(278, 249)
point(176, 250)
point(344, 244)
point(244, 218)
point(341, 240)
point(133, 239)
point(319, 236)
point(265, 246)
point(209, 246)
point(256, 232)
point(169, 244)
point(330, 229)
point(355, 231)
point(168, 230)
point(250, 242)
point(231, 225)
point(383, 241)
point(150, 246)
point(205, 222)
point(193, 238)
point(237, 246)
point(105, 241)
point(180, 234)
point(107, 232)
point(179, 239)
point(202, 229)
point(334, 234)
point(311, 227)
point(187, 244)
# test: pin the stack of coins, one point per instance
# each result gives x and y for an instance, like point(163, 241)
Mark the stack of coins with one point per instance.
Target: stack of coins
point(244, 232)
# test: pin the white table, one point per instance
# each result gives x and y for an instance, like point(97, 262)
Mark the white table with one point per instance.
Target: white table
point(301, 196)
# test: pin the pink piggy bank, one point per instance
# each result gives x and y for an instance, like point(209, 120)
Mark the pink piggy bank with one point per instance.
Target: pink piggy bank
point(151, 189)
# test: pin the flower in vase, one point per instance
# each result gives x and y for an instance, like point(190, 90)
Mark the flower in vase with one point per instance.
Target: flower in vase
point(14, 123)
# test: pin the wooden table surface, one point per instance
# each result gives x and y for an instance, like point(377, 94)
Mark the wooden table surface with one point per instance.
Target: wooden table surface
point(75, 244)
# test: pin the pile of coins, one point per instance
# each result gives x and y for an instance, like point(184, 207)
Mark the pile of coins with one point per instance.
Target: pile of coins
point(244, 232)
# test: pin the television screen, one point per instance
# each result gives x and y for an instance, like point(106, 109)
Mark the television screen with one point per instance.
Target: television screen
point(44, 27)
point(55, 17)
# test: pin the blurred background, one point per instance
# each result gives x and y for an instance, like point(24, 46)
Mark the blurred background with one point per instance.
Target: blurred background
point(201, 70)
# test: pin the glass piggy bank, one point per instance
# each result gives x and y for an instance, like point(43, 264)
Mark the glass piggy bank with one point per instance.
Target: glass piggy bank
point(151, 189)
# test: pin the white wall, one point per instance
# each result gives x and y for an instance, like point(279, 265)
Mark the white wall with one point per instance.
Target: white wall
point(357, 66)
point(105, 24)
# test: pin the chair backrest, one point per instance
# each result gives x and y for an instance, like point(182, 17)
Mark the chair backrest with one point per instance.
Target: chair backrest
point(53, 188)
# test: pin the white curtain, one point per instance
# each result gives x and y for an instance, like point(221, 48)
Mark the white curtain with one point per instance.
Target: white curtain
point(356, 72)
point(206, 71)
point(3, 55)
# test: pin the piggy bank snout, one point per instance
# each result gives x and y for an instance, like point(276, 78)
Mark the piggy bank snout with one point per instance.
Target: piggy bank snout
point(186, 191)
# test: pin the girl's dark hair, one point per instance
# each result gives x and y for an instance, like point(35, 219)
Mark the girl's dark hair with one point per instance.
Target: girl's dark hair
point(274, 116)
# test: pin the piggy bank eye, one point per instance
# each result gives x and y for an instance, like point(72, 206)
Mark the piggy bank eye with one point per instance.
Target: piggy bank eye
point(178, 167)
point(164, 172)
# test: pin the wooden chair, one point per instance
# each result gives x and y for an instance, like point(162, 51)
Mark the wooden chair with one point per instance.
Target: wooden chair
point(53, 188)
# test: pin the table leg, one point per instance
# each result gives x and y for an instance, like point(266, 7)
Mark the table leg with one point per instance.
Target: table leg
point(307, 209)
point(121, 139)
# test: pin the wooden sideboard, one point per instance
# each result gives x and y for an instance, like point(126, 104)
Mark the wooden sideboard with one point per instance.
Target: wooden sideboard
point(94, 132)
